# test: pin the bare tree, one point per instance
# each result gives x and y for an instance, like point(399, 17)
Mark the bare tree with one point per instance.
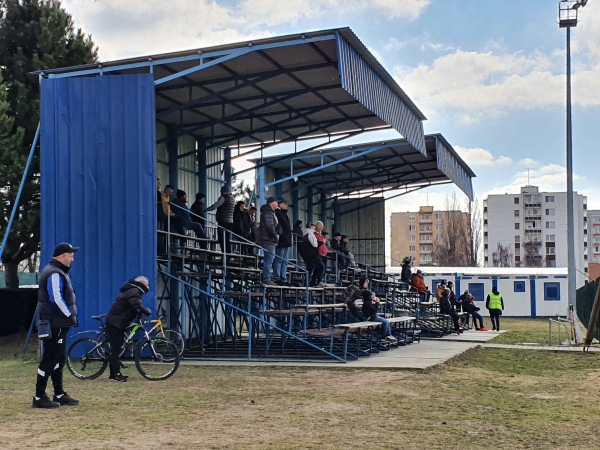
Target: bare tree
point(503, 256)
point(454, 249)
point(533, 258)
point(474, 228)
point(461, 236)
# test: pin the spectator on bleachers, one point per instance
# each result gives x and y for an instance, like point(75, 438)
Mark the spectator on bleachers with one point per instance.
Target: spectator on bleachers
point(456, 303)
point(495, 304)
point(225, 207)
point(267, 237)
point(312, 241)
point(181, 210)
point(241, 220)
point(446, 308)
point(349, 297)
point(417, 284)
point(172, 222)
point(336, 245)
point(297, 230)
point(406, 274)
point(347, 253)
point(440, 290)
point(253, 229)
point(468, 306)
point(198, 209)
point(369, 308)
point(280, 264)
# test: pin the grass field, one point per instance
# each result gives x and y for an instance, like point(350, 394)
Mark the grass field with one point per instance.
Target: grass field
point(486, 398)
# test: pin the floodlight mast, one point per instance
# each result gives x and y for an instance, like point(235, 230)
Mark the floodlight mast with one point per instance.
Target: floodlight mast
point(568, 12)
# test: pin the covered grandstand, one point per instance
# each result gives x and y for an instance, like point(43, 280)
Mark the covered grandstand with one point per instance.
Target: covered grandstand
point(109, 130)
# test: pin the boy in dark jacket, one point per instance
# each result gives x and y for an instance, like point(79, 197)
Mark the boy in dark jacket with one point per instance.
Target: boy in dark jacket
point(349, 297)
point(369, 309)
point(124, 309)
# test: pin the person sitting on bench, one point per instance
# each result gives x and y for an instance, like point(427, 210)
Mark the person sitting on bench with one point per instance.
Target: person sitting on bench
point(469, 307)
point(446, 308)
point(369, 309)
point(349, 297)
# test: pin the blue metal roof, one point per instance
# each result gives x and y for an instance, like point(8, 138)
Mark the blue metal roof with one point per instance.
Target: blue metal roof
point(373, 168)
point(272, 90)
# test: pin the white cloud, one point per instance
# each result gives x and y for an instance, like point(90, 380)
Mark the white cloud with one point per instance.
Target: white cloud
point(478, 84)
point(480, 157)
point(125, 29)
point(471, 84)
point(528, 162)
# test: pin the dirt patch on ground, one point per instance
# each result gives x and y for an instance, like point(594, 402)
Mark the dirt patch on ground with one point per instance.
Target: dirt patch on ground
point(487, 399)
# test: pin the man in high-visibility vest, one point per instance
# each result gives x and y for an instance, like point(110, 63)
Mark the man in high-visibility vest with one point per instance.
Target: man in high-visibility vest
point(495, 304)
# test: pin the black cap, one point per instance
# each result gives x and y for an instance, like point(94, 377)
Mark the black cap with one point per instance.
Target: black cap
point(64, 247)
point(225, 189)
point(283, 200)
point(180, 193)
point(337, 234)
point(271, 200)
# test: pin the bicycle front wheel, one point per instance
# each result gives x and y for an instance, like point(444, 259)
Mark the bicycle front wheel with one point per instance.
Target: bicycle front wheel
point(157, 358)
point(87, 358)
point(176, 338)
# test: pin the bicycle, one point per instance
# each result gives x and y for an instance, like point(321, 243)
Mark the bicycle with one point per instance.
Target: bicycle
point(159, 330)
point(156, 357)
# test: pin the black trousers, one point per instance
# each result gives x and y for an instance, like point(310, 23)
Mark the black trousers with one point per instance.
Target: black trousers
point(115, 339)
point(495, 318)
point(224, 236)
point(54, 357)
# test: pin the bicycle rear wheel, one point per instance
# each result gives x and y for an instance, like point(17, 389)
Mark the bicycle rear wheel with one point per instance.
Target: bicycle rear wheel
point(156, 358)
point(87, 358)
point(176, 338)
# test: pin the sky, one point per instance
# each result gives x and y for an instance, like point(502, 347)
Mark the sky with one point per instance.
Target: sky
point(489, 75)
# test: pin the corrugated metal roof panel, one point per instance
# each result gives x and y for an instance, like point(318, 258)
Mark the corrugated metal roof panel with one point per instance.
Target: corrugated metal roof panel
point(366, 85)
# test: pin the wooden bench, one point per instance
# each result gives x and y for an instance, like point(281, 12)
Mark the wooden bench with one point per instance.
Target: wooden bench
point(329, 336)
point(403, 329)
point(359, 331)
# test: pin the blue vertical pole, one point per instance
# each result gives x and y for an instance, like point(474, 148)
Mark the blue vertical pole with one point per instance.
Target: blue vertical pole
point(16, 204)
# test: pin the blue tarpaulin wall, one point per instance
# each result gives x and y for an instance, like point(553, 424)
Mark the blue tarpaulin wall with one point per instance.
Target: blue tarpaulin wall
point(98, 183)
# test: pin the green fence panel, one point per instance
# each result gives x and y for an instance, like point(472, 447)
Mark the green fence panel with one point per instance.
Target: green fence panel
point(585, 303)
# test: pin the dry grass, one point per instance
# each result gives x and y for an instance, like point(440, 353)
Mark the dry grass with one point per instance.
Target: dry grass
point(487, 398)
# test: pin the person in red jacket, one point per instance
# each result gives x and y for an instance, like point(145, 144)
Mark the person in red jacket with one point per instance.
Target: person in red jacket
point(419, 285)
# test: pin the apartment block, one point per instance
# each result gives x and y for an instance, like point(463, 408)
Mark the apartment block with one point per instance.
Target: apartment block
point(416, 234)
point(594, 243)
point(529, 229)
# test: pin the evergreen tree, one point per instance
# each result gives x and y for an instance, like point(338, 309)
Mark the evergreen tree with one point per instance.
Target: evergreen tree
point(34, 35)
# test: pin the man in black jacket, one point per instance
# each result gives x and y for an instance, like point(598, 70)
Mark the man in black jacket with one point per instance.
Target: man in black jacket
point(285, 242)
point(268, 237)
point(58, 305)
point(225, 206)
point(124, 309)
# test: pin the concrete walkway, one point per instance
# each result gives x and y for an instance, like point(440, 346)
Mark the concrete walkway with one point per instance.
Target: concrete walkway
point(422, 355)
